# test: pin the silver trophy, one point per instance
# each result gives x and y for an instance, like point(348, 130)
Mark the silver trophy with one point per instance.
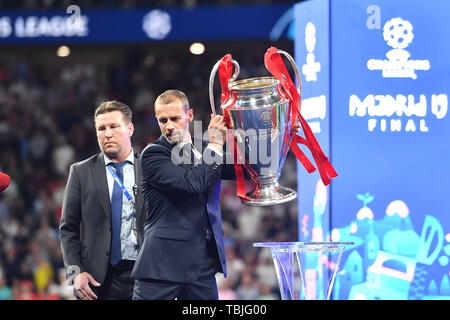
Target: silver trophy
point(261, 115)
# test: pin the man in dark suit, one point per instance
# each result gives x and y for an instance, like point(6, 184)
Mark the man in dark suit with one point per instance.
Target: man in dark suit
point(102, 215)
point(183, 244)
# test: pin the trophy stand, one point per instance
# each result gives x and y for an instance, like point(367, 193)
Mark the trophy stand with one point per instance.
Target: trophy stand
point(306, 270)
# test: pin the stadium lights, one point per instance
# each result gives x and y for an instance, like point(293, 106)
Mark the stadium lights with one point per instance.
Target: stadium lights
point(197, 48)
point(63, 51)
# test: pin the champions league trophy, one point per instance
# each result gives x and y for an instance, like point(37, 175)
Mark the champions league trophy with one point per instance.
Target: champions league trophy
point(263, 111)
point(261, 114)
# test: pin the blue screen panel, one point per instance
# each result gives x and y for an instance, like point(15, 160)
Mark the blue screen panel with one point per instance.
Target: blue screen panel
point(390, 140)
point(312, 58)
point(389, 133)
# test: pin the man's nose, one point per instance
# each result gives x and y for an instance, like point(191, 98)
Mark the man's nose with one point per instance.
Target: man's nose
point(108, 132)
point(169, 125)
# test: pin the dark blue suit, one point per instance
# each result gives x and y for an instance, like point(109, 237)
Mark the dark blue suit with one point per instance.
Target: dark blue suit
point(182, 206)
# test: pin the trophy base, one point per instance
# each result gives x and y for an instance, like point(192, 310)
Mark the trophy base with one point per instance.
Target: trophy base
point(269, 196)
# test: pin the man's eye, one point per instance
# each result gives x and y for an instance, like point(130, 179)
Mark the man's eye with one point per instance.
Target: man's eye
point(163, 120)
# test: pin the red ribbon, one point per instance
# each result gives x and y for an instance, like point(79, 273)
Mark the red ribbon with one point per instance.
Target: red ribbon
point(274, 63)
point(225, 73)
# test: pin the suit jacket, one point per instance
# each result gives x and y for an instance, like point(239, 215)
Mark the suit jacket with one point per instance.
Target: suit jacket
point(179, 200)
point(85, 227)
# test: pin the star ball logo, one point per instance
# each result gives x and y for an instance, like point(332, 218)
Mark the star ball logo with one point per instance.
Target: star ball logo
point(157, 24)
point(398, 35)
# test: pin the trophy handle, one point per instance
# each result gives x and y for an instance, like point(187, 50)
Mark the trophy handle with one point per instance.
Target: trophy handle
point(211, 81)
point(294, 66)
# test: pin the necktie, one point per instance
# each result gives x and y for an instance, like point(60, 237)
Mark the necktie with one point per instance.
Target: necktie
point(116, 214)
point(189, 156)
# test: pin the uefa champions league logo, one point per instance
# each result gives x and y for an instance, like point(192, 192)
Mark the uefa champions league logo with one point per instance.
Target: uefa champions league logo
point(398, 35)
point(403, 111)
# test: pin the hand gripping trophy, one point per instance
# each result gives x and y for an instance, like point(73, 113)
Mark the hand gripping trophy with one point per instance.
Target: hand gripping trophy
point(263, 112)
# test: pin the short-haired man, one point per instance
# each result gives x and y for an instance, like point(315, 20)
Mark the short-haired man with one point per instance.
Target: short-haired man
point(103, 212)
point(183, 244)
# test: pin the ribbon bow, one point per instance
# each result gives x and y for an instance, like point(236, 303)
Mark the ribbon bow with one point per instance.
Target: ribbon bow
point(276, 67)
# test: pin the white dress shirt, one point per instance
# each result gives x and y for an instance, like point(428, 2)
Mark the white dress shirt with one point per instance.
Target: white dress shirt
point(128, 242)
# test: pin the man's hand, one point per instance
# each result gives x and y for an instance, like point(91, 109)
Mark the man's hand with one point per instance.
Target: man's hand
point(81, 284)
point(217, 130)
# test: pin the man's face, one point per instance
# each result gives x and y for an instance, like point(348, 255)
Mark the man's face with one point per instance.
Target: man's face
point(173, 120)
point(113, 135)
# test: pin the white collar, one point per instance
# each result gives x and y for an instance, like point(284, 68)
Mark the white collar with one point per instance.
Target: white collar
point(130, 158)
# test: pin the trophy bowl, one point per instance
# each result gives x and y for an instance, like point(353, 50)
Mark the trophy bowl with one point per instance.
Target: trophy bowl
point(262, 114)
point(261, 117)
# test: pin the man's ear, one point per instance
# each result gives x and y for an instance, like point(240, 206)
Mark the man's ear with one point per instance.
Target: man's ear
point(130, 127)
point(191, 115)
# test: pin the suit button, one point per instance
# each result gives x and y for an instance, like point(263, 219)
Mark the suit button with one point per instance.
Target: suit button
point(107, 253)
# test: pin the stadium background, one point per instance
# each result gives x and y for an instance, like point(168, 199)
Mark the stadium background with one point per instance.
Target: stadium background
point(46, 108)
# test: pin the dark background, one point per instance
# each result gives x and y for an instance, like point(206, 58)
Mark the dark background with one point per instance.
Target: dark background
point(46, 124)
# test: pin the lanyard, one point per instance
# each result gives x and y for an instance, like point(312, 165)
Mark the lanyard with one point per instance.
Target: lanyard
point(127, 194)
point(119, 182)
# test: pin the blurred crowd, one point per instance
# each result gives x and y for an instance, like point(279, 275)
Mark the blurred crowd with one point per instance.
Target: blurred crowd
point(63, 4)
point(46, 124)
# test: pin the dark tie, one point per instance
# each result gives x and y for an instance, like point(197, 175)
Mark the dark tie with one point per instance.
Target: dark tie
point(116, 214)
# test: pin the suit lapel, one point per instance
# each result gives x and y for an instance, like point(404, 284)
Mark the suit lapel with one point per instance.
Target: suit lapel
point(101, 184)
point(184, 159)
point(163, 141)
